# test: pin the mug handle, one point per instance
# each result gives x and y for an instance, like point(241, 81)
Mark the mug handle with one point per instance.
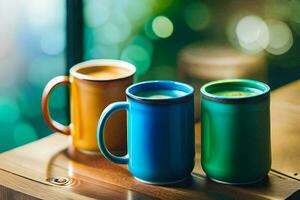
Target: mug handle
point(56, 81)
point(100, 132)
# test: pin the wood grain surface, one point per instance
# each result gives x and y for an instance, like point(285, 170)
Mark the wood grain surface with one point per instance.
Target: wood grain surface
point(285, 128)
point(27, 169)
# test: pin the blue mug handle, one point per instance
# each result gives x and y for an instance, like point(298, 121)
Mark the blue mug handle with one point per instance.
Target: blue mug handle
point(100, 132)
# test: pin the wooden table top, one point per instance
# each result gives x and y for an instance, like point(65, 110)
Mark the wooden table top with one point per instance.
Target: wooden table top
point(25, 171)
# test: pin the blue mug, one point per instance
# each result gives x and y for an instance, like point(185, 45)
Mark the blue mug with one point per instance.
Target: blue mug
point(161, 142)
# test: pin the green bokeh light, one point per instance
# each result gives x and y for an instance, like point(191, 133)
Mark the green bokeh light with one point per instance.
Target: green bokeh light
point(105, 51)
point(58, 98)
point(138, 56)
point(111, 33)
point(163, 72)
point(148, 29)
point(44, 68)
point(295, 11)
point(121, 20)
point(197, 16)
point(144, 42)
point(24, 133)
point(136, 10)
point(9, 110)
point(6, 137)
point(295, 15)
point(162, 26)
point(29, 103)
point(279, 9)
point(96, 12)
point(33, 54)
point(160, 6)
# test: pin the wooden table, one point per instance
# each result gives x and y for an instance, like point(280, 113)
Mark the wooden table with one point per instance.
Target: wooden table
point(25, 172)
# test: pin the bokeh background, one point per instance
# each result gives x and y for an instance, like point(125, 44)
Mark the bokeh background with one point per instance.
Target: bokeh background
point(148, 33)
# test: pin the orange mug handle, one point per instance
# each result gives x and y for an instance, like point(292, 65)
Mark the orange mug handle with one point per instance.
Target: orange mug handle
point(56, 81)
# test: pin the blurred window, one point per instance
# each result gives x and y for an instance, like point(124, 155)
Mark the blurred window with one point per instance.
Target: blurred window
point(32, 39)
point(151, 34)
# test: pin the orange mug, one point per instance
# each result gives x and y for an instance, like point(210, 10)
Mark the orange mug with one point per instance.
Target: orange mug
point(93, 85)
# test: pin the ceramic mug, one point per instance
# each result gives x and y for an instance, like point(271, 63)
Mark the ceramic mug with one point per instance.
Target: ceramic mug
point(93, 85)
point(235, 131)
point(160, 131)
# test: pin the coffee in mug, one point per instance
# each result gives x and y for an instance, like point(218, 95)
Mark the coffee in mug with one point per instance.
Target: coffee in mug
point(236, 92)
point(93, 85)
point(235, 131)
point(161, 94)
point(161, 137)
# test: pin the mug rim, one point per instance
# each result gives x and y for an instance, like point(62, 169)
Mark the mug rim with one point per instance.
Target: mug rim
point(160, 84)
point(264, 88)
point(105, 63)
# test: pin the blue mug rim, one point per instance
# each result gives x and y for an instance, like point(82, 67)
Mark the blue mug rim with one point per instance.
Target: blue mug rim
point(264, 88)
point(160, 84)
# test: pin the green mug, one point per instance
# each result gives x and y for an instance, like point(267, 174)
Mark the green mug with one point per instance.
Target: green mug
point(235, 127)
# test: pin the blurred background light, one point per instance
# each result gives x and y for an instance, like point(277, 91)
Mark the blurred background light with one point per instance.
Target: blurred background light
point(295, 10)
point(295, 15)
point(144, 42)
point(252, 33)
point(137, 11)
point(33, 33)
point(96, 12)
point(281, 37)
point(43, 68)
point(105, 51)
point(111, 33)
point(32, 52)
point(162, 26)
point(121, 20)
point(230, 31)
point(24, 133)
point(53, 42)
point(9, 77)
point(160, 6)
point(138, 56)
point(149, 30)
point(43, 15)
point(9, 110)
point(58, 99)
point(277, 9)
point(6, 135)
point(162, 72)
point(28, 108)
point(197, 15)
point(8, 20)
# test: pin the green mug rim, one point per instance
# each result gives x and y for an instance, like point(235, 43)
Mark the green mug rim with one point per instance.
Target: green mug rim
point(264, 88)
